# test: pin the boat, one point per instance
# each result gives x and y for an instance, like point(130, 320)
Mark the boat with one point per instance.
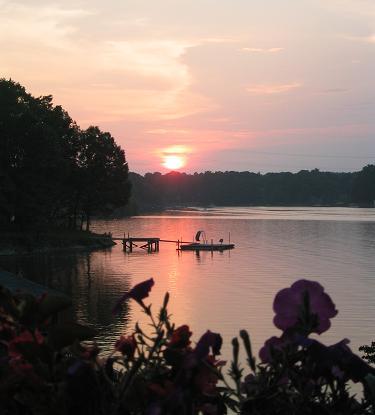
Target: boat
point(205, 245)
point(196, 246)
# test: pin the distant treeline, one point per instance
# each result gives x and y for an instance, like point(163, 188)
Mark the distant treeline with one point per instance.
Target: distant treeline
point(52, 172)
point(230, 188)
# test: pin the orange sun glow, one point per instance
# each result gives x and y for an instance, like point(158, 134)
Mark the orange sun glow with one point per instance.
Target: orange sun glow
point(173, 162)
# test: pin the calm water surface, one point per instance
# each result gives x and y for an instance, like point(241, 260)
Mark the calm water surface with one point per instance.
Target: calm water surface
point(226, 291)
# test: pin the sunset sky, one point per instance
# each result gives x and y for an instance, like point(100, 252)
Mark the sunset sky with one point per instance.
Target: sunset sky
point(259, 85)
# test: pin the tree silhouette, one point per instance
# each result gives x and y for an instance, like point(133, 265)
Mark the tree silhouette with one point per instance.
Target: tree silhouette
point(50, 170)
point(103, 171)
point(364, 185)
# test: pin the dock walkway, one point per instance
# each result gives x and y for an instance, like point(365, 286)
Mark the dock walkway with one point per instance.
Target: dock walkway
point(149, 244)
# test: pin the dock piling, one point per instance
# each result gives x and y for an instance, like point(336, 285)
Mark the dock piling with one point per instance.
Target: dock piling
point(150, 244)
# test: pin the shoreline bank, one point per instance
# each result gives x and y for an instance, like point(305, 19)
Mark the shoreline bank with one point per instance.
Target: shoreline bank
point(23, 243)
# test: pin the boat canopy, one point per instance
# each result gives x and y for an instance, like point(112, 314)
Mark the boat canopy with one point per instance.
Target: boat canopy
point(198, 235)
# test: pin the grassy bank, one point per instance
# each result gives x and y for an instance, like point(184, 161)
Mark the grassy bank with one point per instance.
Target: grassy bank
point(17, 242)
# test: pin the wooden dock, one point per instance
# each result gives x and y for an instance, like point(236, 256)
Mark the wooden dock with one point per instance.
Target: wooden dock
point(152, 244)
point(148, 244)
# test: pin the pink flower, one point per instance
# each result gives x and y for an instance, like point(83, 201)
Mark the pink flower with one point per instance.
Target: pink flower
point(180, 337)
point(15, 346)
point(304, 304)
point(205, 379)
point(6, 331)
point(163, 390)
point(126, 346)
point(137, 293)
point(21, 366)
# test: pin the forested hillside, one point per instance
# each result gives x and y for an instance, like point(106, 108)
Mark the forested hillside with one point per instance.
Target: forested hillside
point(305, 188)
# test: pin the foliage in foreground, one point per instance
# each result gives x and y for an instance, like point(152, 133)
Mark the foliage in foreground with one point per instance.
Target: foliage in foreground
point(44, 369)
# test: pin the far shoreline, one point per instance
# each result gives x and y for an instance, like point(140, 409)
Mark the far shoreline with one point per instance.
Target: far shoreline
point(150, 210)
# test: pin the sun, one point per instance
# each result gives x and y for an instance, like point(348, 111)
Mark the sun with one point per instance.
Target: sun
point(173, 162)
point(175, 156)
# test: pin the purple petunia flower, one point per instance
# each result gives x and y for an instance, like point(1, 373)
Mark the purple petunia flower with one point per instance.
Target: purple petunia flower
point(75, 367)
point(154, 409)
point(137, 293)
point(207, 341)
point(291, 304)
point(272, 344)
point(338, 357)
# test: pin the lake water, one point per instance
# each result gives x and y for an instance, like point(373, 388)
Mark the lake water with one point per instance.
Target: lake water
point(223, 291)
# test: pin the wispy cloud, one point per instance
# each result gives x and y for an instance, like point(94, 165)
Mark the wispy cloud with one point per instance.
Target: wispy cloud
point(270, 89)
point(332, 91)
point(176, 149)
point(262, 50)
point(219, 40)
point(98, 80)
point(364, 39)
point(159, 58)
point(358, 7)
point(163, 131)
point(49, 24)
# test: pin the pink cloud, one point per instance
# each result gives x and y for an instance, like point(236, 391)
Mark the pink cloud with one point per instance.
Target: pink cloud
point(262, 50)
point(270, 89)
